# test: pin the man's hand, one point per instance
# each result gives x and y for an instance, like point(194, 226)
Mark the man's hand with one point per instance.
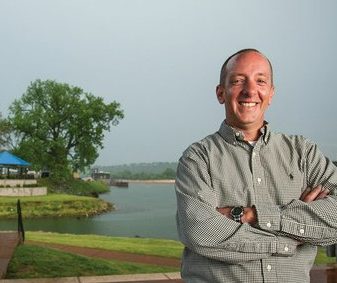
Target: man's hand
point(316, 193)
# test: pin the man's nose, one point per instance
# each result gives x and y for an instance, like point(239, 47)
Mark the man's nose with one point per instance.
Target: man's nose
point(250, 88)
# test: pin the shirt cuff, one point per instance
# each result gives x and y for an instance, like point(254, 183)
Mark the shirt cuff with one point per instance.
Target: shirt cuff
point(268, 217)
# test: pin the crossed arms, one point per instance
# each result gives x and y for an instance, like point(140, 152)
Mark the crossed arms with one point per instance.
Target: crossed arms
point(267, 229)
point(250, 216)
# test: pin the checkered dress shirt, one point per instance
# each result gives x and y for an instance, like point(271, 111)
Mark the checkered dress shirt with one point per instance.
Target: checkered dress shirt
point(224, 170)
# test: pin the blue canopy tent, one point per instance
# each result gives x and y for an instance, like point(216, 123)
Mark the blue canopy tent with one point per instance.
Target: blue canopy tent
point(9, 160)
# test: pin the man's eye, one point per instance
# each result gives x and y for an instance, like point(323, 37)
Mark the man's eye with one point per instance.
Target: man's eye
point(237, 81)
point(261, 81)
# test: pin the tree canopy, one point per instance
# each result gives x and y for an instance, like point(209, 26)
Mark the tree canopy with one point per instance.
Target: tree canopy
point(5, 130)
point(59, 126)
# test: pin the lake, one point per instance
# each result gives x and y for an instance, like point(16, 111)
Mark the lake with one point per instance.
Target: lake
point(142, 210)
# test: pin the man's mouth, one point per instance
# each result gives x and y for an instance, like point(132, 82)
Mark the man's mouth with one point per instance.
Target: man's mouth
point(248, 104)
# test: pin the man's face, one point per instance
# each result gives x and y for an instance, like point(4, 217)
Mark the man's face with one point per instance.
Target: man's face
point(247, 91)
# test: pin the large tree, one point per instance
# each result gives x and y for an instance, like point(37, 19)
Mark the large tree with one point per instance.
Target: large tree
point(61, 127)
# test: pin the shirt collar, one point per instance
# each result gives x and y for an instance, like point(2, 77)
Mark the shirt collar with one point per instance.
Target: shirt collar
point(233, 135)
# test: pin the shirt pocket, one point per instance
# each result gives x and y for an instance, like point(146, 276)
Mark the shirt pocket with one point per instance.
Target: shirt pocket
point(286, 185)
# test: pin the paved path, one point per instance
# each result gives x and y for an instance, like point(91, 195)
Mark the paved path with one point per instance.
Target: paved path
point(136, 278)
point(8, 243)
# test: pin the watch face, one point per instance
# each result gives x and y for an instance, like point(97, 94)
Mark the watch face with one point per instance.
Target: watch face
point(237, 210)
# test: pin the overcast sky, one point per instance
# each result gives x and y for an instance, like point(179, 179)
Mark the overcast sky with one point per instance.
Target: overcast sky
point(161, 61)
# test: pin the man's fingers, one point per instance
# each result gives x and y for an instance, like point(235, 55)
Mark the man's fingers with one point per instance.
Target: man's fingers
point(305, 193)
point(312, 194)
point(323, 194)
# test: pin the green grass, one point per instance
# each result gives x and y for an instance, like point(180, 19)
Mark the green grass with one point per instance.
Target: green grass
point(322, 258)
point(53, 205)
point(74, 187)
point(36, 262)
point(146, 246)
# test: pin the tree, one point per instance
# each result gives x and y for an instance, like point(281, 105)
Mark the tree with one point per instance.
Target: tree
point(4, 129)
point(8, 138)
point(60, 126)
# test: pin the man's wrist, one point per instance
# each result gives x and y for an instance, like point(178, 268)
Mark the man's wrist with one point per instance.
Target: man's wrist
point(249, 214)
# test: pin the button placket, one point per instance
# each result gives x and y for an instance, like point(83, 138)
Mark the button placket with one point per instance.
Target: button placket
point(269, 267)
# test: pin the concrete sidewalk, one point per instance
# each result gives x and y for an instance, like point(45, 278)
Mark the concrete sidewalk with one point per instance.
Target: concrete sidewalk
point(132, 278)
point(319, 274)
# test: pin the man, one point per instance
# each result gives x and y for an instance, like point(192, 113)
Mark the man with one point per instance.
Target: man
point(253, 204)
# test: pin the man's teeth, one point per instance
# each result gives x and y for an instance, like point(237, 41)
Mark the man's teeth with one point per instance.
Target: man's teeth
point(248, 104)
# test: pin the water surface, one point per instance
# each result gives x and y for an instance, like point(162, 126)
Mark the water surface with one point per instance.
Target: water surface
point(142, 210)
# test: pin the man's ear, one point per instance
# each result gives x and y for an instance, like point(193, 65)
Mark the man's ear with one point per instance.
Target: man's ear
point(272, 92)
point(220, 94)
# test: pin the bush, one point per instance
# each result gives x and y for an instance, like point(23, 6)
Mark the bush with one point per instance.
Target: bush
point(74, 187)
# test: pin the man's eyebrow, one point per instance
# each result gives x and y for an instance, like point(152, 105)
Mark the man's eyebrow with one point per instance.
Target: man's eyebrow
point(232, 75)
point(263, 74)
point(236, 74)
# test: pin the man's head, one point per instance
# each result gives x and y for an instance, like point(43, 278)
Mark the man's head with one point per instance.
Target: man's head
point(224, 66)
point(246, 88)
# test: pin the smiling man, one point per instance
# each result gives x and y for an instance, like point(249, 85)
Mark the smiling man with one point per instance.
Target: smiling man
point(253, 204)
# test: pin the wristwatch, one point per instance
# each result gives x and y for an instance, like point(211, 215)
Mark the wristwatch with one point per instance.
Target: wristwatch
point(237, 212)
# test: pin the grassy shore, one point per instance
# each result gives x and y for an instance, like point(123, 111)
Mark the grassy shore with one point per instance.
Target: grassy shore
point(53, 205)
point(68, 198)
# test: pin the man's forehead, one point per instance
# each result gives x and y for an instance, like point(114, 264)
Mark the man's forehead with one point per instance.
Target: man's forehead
point(255, 59)
point(248, 57)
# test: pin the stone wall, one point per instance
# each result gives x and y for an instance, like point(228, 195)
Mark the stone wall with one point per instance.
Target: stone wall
point(13, 192)
point(16, 182)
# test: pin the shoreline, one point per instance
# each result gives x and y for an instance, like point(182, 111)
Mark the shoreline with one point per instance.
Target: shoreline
point(161, 181)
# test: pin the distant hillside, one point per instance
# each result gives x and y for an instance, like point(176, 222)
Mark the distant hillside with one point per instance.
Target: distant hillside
point(142, 171)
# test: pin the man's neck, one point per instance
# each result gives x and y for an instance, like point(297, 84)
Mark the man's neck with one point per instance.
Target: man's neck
point(251, 133)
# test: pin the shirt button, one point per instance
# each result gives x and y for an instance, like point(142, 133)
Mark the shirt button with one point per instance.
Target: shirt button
point(268, 267)
point(259, 180)
point(268, 224)
point(302, 231)
point(286, 249)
